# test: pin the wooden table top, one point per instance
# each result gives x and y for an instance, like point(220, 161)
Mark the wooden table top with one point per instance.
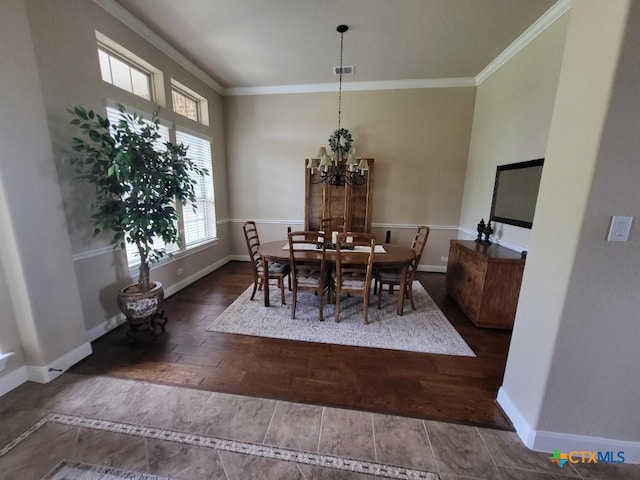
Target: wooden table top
point(273, 252)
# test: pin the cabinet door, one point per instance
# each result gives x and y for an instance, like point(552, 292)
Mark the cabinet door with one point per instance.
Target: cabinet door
point(352, 203)
point(471, 284)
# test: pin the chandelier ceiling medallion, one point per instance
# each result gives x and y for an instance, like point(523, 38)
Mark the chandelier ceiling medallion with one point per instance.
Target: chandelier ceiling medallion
point(342, 167)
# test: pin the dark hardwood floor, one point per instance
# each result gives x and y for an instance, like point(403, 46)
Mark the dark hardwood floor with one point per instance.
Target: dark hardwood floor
point(437, 387)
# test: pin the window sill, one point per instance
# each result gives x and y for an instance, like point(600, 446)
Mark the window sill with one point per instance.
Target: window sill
point(198, 247)
point(3, 359)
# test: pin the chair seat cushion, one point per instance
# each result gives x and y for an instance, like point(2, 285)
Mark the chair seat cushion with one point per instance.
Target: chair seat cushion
point(276, 269)
point(389, 275)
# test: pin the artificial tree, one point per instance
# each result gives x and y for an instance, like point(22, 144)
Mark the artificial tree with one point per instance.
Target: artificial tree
point(138, 180)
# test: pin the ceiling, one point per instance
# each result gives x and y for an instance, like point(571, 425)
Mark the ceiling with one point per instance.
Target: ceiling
point(258, 43)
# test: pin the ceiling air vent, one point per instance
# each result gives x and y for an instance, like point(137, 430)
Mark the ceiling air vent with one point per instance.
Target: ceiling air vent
point(346, 70)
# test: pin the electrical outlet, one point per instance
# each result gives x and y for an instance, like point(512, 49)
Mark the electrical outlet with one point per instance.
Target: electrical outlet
point(180, 271)
point(444, 259)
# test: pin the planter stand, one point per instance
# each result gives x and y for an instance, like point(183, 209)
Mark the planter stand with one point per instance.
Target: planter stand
point(143, 309)
point(151, 322)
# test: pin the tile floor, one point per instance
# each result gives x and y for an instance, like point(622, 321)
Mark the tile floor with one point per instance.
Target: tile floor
point(192, 434)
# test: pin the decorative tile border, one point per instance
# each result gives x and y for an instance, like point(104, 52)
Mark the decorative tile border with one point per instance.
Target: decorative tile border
point(236, 446)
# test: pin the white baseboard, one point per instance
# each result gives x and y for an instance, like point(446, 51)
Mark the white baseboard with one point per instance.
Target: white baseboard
point(185, 282)
point(545, 441)
point(43, 374)
point(432, 268)
point(12, 379)
point(56, 368)
point(523, 428)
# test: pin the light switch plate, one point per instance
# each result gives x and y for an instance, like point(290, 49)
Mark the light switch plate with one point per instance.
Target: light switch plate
point(619, 228)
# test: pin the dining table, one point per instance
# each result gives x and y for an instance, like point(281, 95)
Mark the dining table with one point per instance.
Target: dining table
point(386, 255)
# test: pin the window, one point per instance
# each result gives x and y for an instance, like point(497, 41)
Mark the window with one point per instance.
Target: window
point(199, 224)
point(124, 69)
point(185, 105)
point(188, 103)
point(122, 74)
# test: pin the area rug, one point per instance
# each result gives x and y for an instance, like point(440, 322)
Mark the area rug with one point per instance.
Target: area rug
point(424, 330)
point(67, 470)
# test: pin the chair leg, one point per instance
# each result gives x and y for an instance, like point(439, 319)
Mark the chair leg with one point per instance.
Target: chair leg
point(338, 306)
point(255, 288)
point(410, 292)
point(321, 300)
point(281, 285)
point(293, 305)
point(289, 277)
point(380, 296)
point(365, 302)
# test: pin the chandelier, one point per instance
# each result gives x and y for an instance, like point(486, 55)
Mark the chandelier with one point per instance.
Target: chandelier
point(342, 167)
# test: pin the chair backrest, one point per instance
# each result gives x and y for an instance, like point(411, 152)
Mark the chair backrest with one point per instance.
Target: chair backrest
point(307, 253)
point(253, 242)
point(334, 224)
point(419, 241)
point(355, 264)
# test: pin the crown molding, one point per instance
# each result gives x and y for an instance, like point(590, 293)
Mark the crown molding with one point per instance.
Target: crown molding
point(120, 13)
point(539, 26)
point(545, 21)
point(353, 86)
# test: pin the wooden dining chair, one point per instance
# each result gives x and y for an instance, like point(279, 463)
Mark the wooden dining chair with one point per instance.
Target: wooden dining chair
point(333, 224)
point(308, 267)
point(393, 276)
point(277, 271)
point(354, 269)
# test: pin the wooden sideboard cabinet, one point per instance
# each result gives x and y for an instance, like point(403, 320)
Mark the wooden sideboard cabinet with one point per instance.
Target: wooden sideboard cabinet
point(484, 280)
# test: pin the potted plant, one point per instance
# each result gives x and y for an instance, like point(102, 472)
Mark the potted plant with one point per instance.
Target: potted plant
point(138, 179)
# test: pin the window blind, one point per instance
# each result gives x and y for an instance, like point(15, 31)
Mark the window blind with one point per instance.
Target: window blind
point(199, 223)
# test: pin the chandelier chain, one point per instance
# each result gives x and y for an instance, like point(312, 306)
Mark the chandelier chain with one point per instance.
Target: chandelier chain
point(340, 85)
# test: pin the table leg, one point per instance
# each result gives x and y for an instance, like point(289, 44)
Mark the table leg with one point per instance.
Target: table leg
point(265, 281)
point(403, 289)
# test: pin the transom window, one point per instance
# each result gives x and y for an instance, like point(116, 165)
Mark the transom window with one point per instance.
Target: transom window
point(185, 105)
point(124, 69)
point(189, 103)
point(122, 74)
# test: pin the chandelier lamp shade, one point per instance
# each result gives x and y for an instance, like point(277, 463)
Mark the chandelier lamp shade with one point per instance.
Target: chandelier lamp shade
point(341, 167)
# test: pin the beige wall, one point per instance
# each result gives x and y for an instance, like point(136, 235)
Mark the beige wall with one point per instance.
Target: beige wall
point(418, 137)
point(68, 67)
point(36, 254)
point(511, 124)
point(572, 367)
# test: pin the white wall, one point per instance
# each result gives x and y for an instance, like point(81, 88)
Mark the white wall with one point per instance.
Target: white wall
point(571, 377)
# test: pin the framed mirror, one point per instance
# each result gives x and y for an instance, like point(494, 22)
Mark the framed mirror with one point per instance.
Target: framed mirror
point(515, 193)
